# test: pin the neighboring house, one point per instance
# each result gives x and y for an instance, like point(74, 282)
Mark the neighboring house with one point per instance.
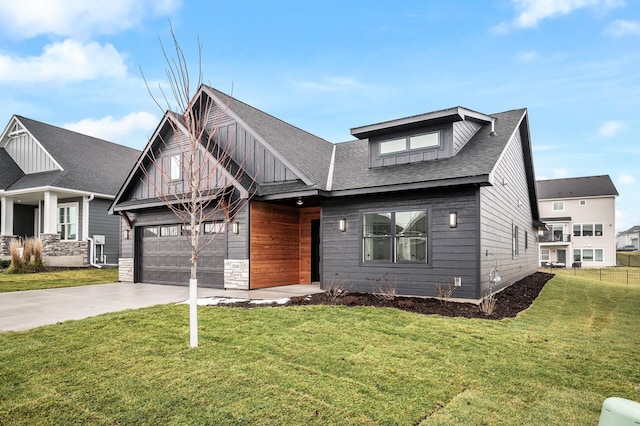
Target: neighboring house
point(433, 199)
point(580, 218)
point(57, 185)
point(629, 238)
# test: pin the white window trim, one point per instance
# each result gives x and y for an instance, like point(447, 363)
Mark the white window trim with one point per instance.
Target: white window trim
point(553, 206)
point(65, 205)
point(175, 167)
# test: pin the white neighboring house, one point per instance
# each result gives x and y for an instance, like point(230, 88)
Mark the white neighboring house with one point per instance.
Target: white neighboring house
point(580, 218)
point(626, 239)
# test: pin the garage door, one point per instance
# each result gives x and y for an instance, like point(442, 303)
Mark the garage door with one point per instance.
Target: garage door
point(164, 254)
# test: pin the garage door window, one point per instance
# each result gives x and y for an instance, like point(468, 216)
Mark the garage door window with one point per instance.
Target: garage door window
point(214, 228)
point(150, 231)
point(169, 231)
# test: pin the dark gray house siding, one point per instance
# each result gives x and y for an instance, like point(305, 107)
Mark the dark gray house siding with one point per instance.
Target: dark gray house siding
point(100, 223)
point(452, 252)
point(509, 193)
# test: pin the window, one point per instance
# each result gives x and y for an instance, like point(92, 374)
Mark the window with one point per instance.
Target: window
point(545, 255)
point(588, 255)
point(526, 241)
point(587, 229)
point(175, 167)
point(68, 221)
point(583, 202)
point(214, 228)
point(150, 231)
point(514, 241)
point(395, 237)
point(427, 140)
point(169, 231)
point(558, 206)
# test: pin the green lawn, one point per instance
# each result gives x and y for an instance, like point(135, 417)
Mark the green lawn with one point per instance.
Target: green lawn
point(554, 364)
point(68, 278)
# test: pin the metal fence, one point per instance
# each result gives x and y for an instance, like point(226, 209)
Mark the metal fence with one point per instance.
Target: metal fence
point(612, 275)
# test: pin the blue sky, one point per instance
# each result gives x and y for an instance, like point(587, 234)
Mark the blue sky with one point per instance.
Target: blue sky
point(332, 65)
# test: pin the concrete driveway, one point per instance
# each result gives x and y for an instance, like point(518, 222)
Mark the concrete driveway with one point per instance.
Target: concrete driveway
point(22, 310)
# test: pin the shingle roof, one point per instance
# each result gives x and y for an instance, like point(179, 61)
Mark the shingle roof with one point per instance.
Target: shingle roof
point(632, 230)
point(9, 170)
point(309, 153)
point(90, 164)
point(476, 159)
point(588, 186)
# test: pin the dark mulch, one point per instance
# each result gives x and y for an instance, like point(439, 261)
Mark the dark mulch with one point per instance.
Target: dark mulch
point(513, 299)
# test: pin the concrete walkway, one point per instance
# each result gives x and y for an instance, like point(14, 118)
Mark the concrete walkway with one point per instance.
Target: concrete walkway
point(22, 310)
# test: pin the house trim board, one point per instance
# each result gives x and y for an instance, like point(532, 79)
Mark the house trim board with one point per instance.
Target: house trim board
point(5, 133)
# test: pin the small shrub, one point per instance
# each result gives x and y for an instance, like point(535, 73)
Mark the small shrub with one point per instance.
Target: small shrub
point(17, 266)
point(37, 252)
point(4, 263)
point(488, 304)
point(384, 287)
point(445, 292)
point(338, 287)
point(27, 251)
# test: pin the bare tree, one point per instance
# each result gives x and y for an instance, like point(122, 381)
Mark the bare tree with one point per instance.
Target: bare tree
point(201, 181)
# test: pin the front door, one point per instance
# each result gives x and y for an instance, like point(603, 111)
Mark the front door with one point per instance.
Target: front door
point(562, 256)
point(315, 250)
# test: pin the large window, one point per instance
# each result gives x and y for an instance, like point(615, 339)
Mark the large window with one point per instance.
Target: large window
point(68, 221)
point(395, 237)
point(588, 255)
point(427, 140)
point(587, 229)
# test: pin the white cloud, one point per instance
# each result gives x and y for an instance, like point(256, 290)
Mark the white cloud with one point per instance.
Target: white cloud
point(621, 27)
point(542, 148)
point(332, 84)
point(610, 128)
point(626, 179)
point(528, 56)
point(531, 12)
point(560, 173)
point(69, 60)
point(118, 130)
point(77, 18)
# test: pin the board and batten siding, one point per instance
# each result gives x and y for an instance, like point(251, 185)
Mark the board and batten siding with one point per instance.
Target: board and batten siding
point(101, 223)
point(29, 155)
point(502, 206)
point(452, 252)
point(247, 150)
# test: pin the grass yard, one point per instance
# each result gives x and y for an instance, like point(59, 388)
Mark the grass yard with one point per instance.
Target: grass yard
point(57, 279)
point(554, 364)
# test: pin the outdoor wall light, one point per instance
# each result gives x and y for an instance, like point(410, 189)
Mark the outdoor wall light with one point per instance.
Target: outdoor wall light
point(342, 225)
point(235, 228)
point(299, 202)
point(126, 234)
point(453, 219)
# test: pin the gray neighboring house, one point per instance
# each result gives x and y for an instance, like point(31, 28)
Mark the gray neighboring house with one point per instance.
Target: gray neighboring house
point(57, 185)
point(441, 198)
point(629, 238)
point(580, 215)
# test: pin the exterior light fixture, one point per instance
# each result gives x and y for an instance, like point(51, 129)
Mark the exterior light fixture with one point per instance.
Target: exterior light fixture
point(299, 202)
point(342, 225)
point(127, 234)
point(235, 228)
point(453, 219)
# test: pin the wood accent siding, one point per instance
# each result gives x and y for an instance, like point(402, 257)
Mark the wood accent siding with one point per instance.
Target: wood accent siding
point(306, 216)
point(503, 206)
point(451, 252)
point(463, 131)
point(29, 155)
point(275, 242)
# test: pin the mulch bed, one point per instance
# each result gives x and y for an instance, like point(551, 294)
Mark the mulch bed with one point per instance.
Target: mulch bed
point(510, 301)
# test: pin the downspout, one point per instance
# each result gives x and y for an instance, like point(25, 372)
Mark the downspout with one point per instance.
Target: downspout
point(92, 247)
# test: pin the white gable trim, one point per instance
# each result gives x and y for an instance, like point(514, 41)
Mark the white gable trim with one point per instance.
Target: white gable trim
point(6, 135)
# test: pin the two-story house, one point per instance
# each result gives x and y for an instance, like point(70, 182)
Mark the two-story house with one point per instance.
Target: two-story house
point(580, 217)
point(629, 239)
point(439, 198)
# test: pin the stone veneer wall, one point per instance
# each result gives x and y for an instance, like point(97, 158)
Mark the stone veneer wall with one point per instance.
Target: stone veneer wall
point(236, 274)
point(125, 270)
point(52, 246)
point(5, 242)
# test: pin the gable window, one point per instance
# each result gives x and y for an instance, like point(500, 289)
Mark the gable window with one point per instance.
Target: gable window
point(175, 167)
point(68, 221)
point(395, 237)
point(558, 206)
point(427, 140)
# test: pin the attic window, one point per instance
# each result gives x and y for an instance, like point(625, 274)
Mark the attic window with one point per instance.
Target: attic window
point(427, 140)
